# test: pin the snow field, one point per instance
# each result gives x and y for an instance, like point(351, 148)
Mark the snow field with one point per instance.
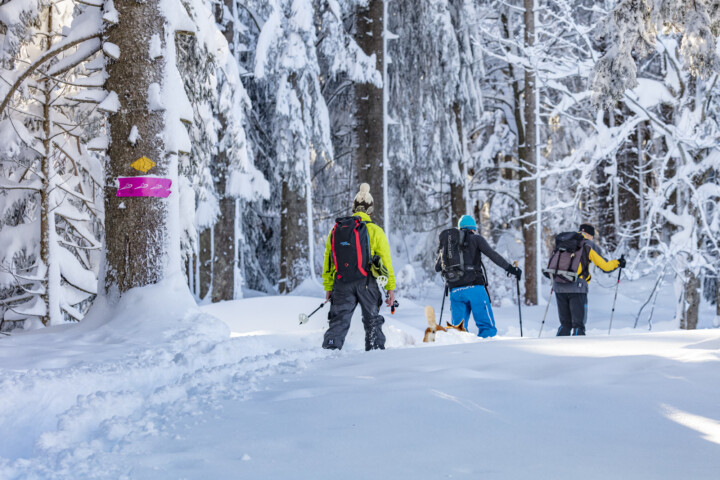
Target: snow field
point(156, 388)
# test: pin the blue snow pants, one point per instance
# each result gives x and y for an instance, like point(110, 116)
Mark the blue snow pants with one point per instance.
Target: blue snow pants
point(473, 298)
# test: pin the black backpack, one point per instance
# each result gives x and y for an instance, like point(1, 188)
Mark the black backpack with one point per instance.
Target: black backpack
point(566, 257)
point(454, 268)
point(350, 244)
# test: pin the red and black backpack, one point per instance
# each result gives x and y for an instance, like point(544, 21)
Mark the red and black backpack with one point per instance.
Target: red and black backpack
point(350, 242)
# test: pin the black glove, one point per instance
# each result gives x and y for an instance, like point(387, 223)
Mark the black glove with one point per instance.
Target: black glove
point(621, 261)
point(512, 270)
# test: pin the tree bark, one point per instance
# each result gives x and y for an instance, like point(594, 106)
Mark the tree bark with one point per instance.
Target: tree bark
point(528, 166)
point(293, 239)
point(223, 284)
point(717, 302)
point(457, 185)
point(46, 215)
point(225, 243)
point(369, 116)
point(205, 260)
point(136, 228)
point(692, 300)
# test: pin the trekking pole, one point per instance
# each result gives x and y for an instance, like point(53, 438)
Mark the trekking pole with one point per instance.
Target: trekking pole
point(445, 292)
point(304, 318)
point(517, 282)
point(617, 285)
point(546, 312)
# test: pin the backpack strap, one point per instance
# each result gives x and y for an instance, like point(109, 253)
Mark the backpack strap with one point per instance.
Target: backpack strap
point(332, 247)
point(357, 246)
point(461, 248)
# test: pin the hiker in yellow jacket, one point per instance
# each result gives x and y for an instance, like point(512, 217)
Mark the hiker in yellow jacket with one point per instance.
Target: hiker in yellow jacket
point(356, 252)
point(572, 296)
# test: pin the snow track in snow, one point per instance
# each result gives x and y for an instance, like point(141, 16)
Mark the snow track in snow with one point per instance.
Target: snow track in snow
point(117, 405)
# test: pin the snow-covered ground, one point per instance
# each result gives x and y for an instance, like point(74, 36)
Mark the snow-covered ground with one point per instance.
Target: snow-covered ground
point(157, 388)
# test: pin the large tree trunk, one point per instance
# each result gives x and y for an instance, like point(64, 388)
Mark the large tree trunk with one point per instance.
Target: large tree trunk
point(528, 167)
point(293, 239)
point(369, 115)
point(457, 185)
point(136, 228)
point(225, 243)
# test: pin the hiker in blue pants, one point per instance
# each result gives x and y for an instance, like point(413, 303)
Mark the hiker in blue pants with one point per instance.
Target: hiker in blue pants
point(468, 293)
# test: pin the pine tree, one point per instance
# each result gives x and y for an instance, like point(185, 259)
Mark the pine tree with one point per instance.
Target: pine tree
point(51, 108)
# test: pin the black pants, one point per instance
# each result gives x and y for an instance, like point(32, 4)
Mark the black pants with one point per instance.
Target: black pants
point(572, 310)
point(345, 297)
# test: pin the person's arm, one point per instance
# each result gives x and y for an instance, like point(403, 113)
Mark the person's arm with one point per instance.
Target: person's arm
point(380, 246)
point(496, 258)
point(328, 265)
point(605, 265)
point(438, 262)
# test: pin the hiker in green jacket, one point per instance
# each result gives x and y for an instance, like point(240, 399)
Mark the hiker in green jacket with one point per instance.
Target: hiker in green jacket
point(356, 252)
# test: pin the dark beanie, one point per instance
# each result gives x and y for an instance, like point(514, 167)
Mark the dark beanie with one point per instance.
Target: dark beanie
point(587, 228)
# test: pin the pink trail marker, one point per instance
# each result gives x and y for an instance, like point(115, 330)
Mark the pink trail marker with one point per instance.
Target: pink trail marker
point(143, 187)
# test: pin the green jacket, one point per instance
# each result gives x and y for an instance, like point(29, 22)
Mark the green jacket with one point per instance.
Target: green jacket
point(378, 246)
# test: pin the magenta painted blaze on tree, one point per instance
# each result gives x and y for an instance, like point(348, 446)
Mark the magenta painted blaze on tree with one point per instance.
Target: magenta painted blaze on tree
point(143, 187)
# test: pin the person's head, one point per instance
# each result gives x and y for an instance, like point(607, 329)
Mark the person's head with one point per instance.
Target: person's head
point(363, 201)
point(467, 222)
point(588, 230)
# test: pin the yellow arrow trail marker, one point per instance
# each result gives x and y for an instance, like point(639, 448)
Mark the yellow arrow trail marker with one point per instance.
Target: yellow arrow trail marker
point(143, 164)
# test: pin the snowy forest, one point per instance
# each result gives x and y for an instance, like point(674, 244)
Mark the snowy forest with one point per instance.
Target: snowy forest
point(253, 122)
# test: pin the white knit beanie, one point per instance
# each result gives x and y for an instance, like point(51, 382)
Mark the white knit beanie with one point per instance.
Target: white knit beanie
point(363, 200)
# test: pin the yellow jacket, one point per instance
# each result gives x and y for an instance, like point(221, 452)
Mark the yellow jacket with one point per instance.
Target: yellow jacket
point(378, 246)
point(597, 259)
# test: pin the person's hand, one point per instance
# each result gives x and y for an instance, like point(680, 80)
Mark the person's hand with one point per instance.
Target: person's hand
point(515, 271)
point(328, 295)
point(391, 298)
point(622, 262)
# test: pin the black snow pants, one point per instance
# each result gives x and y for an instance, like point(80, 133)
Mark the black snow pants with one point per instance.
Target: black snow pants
point(345, 297)
point(572, 310)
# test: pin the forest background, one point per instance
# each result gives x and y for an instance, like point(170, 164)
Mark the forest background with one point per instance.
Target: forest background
point(533, 116)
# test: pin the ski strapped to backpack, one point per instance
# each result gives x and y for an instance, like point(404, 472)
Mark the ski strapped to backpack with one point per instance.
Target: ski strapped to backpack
point(567, 256)
point(350, 244)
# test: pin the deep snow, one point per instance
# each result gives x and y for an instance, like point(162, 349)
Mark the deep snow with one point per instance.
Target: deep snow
point(157, 388)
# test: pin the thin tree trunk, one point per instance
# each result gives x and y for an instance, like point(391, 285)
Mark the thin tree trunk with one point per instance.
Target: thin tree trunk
point(205, 262)
point(223, 272)
point(48, 234)
point(692, 300)
point(528, 167)
point(136, 228)
point(293, 238)
point(369, 114)
point(641, 176)
point(47, 222)
point(717, 302)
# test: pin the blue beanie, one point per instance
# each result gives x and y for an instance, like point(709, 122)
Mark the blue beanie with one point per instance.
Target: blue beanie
point(468, 222)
